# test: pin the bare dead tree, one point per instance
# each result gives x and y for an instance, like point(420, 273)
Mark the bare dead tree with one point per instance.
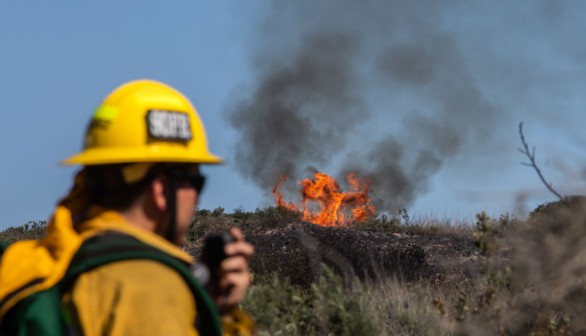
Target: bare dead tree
point(531, 156)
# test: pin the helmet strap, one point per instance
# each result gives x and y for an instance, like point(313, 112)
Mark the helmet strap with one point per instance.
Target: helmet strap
point(171, 194)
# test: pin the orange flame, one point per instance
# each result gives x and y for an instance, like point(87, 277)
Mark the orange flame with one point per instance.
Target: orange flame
point(334, 207)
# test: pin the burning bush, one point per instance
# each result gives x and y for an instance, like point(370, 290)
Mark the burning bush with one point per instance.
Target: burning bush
point(324, 203)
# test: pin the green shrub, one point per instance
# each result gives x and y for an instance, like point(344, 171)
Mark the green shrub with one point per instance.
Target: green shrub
point(30, 230)
point(218, 212)
point(341, 311)
point(197, 230)
point(280, 308)
point(327, 308)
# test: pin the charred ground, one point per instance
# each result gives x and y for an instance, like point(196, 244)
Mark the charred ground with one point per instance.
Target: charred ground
point(376, 249)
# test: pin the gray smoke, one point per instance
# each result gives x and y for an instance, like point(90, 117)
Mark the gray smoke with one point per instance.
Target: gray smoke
point(432, 68)
point(303, 108)
point(382, 88)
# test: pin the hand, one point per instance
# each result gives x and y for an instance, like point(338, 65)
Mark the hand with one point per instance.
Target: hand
point(229, 286)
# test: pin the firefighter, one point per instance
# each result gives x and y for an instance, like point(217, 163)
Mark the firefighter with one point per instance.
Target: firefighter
point(141, 179)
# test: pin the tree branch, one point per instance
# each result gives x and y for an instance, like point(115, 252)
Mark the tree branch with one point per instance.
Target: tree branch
point(531, 156)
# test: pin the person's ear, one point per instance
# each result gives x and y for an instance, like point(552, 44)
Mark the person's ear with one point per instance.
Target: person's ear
point(158, 193)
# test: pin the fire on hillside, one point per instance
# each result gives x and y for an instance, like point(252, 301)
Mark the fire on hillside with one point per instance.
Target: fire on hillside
point(323, 202)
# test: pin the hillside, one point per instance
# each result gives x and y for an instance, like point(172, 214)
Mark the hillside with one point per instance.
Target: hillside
point(401, 276)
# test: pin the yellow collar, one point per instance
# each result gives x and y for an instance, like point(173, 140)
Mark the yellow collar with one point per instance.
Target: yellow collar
point(110, 220)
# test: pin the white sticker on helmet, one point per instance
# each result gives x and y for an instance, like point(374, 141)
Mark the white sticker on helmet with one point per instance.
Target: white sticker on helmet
point(168, 125)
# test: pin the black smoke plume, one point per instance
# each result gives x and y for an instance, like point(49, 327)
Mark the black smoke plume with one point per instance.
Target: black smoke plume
point(382, 88)
point(301, 112)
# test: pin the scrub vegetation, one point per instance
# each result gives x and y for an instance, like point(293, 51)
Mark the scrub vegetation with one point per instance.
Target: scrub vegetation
point(408, 276)
point(415, 276)
point(30, 230)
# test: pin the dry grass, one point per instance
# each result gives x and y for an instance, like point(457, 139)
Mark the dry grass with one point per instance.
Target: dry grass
point(529, 276)
point(532, 281)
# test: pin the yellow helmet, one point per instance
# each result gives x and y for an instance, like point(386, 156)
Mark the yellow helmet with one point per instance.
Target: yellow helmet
point(144, 121)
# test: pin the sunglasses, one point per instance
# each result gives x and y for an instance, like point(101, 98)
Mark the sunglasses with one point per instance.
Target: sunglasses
point(190, 180)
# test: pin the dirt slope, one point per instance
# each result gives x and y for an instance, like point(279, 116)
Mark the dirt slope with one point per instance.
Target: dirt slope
point(296, 250)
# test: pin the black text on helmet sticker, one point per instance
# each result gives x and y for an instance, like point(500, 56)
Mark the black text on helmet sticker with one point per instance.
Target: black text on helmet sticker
point(168, 125)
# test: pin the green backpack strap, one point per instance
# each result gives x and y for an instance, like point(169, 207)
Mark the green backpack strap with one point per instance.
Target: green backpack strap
point(36, 315)
point(113, 246)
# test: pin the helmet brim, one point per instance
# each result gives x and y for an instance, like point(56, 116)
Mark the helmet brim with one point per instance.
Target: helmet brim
point(102, 156)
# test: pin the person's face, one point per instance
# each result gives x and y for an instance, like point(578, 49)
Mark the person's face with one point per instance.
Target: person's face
point(187, 200)
point(186, 203)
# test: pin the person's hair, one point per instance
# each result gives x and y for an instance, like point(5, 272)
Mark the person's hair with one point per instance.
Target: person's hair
point(107, 187)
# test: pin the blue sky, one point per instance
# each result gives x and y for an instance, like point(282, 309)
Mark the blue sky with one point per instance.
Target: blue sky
point(58, 60)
